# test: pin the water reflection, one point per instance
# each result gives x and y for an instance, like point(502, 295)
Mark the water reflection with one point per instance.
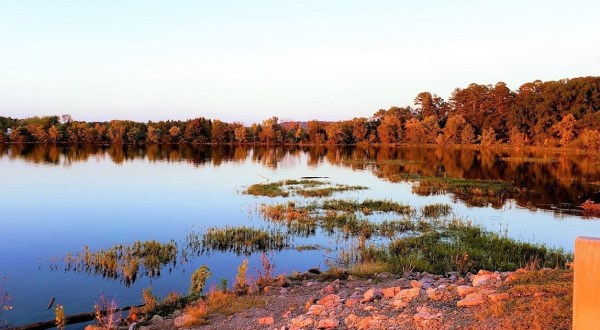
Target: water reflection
point(547, 180)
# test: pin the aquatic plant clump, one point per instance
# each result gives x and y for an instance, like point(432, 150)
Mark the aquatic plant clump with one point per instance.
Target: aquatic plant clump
point(367, 206)
point(304, 188)
point(436, 210)
point(125, 261)
point(461, 246)
point(243, 240)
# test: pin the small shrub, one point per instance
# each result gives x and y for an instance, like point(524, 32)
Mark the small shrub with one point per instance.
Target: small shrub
point(224, 287)
point(265, 275)
point(107, 313)
point(241, 285)
point(149, 299)
point(199, 279)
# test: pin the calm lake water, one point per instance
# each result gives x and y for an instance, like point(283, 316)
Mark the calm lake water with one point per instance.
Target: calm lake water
point(58, 199)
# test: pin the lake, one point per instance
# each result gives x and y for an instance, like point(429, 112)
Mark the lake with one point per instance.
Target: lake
point(57, 200)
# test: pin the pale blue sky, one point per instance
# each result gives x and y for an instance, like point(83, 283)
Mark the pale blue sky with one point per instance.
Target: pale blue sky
point(249, 60)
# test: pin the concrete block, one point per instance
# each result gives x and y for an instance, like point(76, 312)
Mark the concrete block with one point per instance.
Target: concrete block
point(586, 284)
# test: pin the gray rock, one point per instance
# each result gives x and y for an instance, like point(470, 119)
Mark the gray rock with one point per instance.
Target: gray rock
point(156, 319)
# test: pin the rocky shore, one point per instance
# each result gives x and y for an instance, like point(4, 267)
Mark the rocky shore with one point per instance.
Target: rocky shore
point(389, 301)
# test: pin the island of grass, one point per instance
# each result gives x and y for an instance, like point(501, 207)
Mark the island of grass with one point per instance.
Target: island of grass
point(304, 188)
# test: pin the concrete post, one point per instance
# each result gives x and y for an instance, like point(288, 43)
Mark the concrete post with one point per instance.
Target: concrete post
point(586, 284)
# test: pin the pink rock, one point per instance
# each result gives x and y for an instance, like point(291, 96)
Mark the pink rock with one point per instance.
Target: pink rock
point(464, 290)
point(399, 304)
point(302, 322)
point(266, 320)
point(484, 272)
point(350, 319)
point(433, 294)
point(329, 289)
point(372, 294)
point(391, 291)
point(315, 310)
point(330, 300)
point(408, 294)
point(416, 284)
point(479, 280)
point(328, 324)
point(472, 299)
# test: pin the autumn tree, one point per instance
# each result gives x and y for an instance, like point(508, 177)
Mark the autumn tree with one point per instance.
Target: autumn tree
point(239, 132)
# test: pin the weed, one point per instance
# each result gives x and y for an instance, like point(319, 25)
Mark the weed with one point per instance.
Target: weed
point(538, 300)
point(199, 278)
point(436, 210)
point(243, 240)
point(369, 268)
point(126, 262)
point(149, 299)
point(107, 313)
point(197, 315)
point(227, 303)
point(385, 206)
point(223, 286)
point(241, 285)
point(265, 273)
point(267, 189)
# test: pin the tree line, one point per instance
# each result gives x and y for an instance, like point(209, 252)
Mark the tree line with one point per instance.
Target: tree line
point(549, 114)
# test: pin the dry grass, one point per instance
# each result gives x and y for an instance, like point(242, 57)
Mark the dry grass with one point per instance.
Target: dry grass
point(198, 315)
point(539, 300)
point(228, 303)
point(369, 268)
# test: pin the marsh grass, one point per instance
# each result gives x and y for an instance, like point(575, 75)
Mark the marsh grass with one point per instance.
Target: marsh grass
point(327, 191)
point(371, 205)
point(436, 210)
point(126, 262)
point(369, 268)
point(227, 303)
point(305, 188)
point(274, 189)
point(434, 250)
point(243, 240)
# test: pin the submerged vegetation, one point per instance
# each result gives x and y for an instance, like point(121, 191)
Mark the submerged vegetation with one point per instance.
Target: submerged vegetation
point(305, 188)
point(367, 206)
point(125, 261)
point(243, 240)
point(436, 210)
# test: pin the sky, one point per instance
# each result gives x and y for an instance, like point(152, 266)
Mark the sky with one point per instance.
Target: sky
point(297, 60)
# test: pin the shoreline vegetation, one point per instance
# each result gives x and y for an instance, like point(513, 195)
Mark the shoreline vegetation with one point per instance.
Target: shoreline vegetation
point(424, 255)
point(552, 114)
